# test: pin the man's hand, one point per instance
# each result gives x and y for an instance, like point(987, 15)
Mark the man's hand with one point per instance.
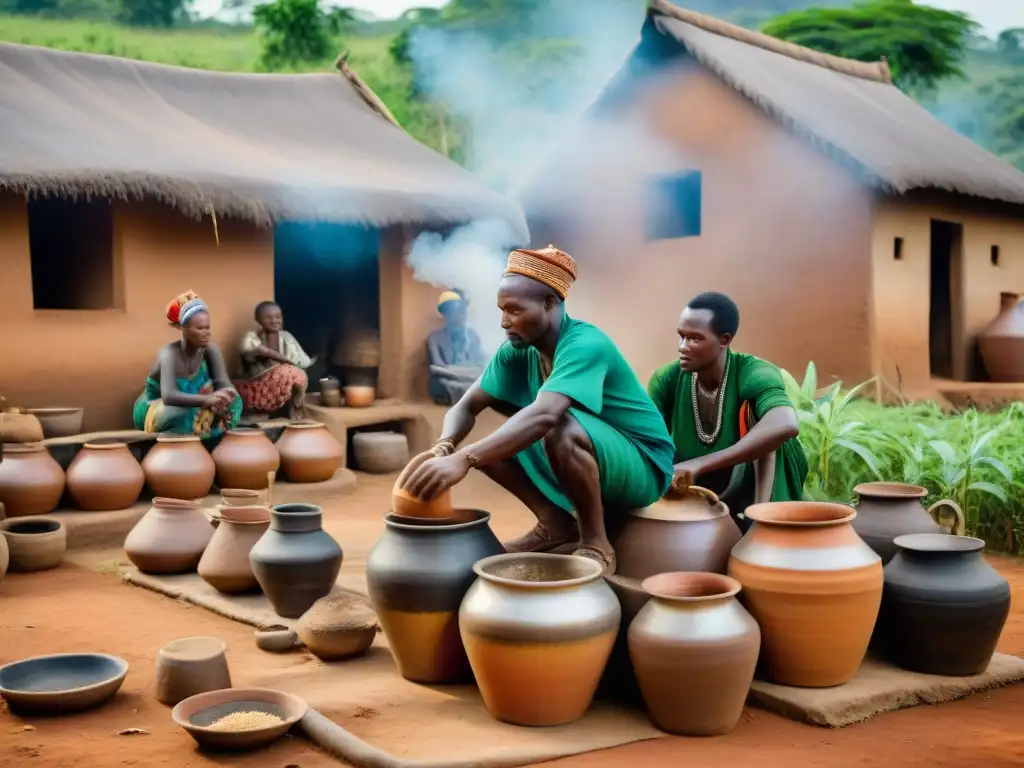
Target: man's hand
point(686, 474)
point(435, 476)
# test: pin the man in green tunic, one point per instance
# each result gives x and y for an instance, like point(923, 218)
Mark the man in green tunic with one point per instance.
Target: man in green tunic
point(583, 435)
point(733, 425)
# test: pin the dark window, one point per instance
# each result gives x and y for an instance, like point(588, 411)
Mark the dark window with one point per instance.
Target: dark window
point(72, 247)
point(673, 207)
point(897, 249)
point(994, 255)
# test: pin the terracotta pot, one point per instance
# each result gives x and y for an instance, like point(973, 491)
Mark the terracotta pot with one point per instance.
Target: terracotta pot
point(338, 626)
point(944, 607)
point(34, 543)
point(170, 537)
point(5, 557)
point(814, 588)
point(405, 504)
point(296, 561)
point(416, 577)
point(105, 476)
point(20, 428)
point(380, 453)
point(243, 459)
point(888, 510)
point(179, 468)
point(1002, 342)
point(31, 480)
point(359, 397)
point(693, 635)
point(59, 422)
point(692, 533)
point(309, 453)
point(538, 629)
point(190, 666)
point(225, 562)
point(240, 497)
point(330, 392)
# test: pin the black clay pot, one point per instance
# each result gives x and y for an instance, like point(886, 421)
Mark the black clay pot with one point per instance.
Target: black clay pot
point(417, 575)
point(943, 606)
point(296, 561)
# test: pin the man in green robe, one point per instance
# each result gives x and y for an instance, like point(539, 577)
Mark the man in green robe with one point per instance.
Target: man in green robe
point(733, 425)
point(583, 436)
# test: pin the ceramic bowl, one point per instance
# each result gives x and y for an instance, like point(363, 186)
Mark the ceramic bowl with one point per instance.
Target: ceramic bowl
point(359, 397)
point(59, 422)
point(63, 683)
point(35, 542)
point(196, 713)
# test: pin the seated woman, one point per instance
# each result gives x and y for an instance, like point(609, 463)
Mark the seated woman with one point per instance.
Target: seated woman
point(188, 391)
point(273, 363)
point(454, 353)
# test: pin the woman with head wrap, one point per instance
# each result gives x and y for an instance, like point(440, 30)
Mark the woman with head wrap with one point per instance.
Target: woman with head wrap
point(188, 391)
point(274, 365)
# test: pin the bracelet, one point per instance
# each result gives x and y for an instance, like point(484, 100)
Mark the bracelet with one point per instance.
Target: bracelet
point(470, 459)
point(444, 448)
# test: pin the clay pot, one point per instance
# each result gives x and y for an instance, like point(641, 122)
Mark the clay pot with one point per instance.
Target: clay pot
point(296, 561)
point(309, 453)
point(18, 427)
point(31, 480)
point(814, 588)
point(59, 422)
point(404, 504)
point(1002, 342)
point(170, 537)
point(338, 626)
point(240, 497)
point(190, 666)
point(693, 635)
point(330, 392)
point(944, 607)
point(380, 452)
point(225, 562)
point(105, 476)
point(888, 510)
point(244, 458)
point(416, 577)
point(179, 468)
point(5, 557)
point(359, 397)
point(538, 629)
point(34, 543)
point(692, 533)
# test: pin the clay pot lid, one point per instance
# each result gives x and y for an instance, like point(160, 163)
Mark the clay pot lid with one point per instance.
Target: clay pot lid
point(178, 439)
point(694, 505)
point(690, 586)
point(800, 514)
point(887, 490)
point(938, 543)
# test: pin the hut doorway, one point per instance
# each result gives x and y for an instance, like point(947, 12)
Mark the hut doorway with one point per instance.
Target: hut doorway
point(945, 327)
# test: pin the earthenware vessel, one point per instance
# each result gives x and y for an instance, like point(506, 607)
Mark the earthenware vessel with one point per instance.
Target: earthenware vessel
point(296, 561)
point(197, 713)
point(17, 427)
point(59, 422)
point(179, 468)
point(888, 510)
point(170, 537)
point(105, 476)
point(5, 556)
point(243, 459)
point(309, 452)
point(359, 397)
point(34, 543)
point(339, 626)
point(1002, 342)
point(692, 533)
point(225, 562)
point(538, 629)
point(813, 586)
point(330, 392)
point(416, 577)
point(240, 497)
point(944, 606)
point(380, 452)
point(405, 504)
point(190, 666)
point(31, 480)
point(693, 635)
point(62, 683)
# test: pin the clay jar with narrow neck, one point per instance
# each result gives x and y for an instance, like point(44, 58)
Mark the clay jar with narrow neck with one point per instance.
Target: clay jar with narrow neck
point(31, 480)
point(105, 476)
point(888, 510)
point(944, 606)
point(179, 468)
point(225, 562)
point(538, 630)
point(693, 635)
point(813, 586)
point(296, 561)
point(244, 458)
point(1002, 342)
point(309, 453)
point(416, 577)
point(170, 537)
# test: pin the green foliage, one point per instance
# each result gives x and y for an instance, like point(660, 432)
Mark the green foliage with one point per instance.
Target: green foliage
point(293, 32)
point(150, 13)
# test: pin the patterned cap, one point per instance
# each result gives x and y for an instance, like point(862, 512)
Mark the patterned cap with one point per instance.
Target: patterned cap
point(551, 266)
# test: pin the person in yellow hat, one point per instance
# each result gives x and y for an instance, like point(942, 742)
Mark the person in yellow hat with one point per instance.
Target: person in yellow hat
point(454, 353)
point(584, 440)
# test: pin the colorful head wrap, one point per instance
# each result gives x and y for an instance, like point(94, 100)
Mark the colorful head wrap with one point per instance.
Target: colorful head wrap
point(446, 297)
point(183, 307)
point(554, 268)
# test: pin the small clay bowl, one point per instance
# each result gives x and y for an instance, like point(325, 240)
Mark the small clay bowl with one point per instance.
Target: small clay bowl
point(359, 397)
point(62, 683)
point(196, 713)
point(404, 504)
point(35, 543)
point(190, 666)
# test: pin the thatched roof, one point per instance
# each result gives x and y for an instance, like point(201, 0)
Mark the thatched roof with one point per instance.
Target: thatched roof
point(261, 147)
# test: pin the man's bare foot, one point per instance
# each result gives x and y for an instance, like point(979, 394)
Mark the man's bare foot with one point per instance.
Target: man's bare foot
point(602, 554)
point(540, 538)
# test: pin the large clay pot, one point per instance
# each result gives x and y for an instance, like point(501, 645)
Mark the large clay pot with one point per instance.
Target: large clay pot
point(814, 588)
point(296, 561)
point(170, 537)
point(693, 635)
point(105, 476)
point(309, 453)
point(34, 543)
point(538, 629)
point(225, 562)
point(179, 468)
point(405, 504)
point(31, 480)
point(888, 510)
point(1002, 342)
point(416, 577)
point(380, 453)
point(692, 533)
point(244, 458)
point(944, 607)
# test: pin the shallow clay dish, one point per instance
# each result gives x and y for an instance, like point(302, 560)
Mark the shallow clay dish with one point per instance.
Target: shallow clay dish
point(196, 713)
point(59, 422)
point(61, 684)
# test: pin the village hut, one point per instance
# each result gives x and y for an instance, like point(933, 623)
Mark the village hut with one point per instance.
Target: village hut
point(124, 183)
point(853, 228)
